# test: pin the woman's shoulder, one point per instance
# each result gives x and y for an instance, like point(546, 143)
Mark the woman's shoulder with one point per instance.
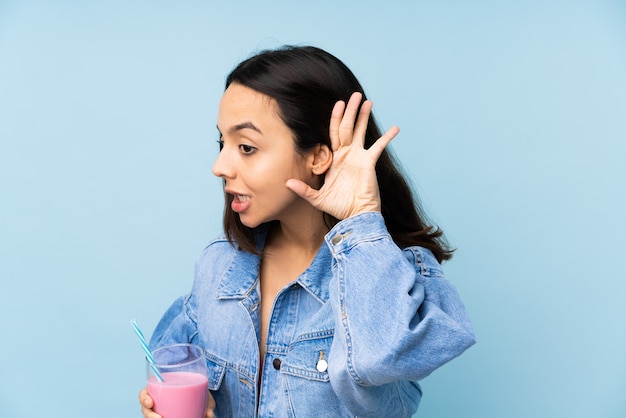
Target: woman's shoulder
point(222, 253)
point(424, 261)
point(218, 247)
point(217, 242)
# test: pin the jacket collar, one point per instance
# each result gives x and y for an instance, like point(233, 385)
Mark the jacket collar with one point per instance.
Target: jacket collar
point(316, 277)
point(242, 275)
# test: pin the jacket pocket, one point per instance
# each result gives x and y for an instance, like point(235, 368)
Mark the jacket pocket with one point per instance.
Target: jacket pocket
point(306, 379)
point(308, 356)
point(216, 369)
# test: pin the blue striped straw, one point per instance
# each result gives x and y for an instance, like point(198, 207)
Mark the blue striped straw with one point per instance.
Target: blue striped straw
point(146, 350)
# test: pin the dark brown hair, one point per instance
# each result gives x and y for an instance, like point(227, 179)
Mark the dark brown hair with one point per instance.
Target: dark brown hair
point(306, 82)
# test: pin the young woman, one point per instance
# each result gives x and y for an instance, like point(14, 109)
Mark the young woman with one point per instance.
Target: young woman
point(325, 297)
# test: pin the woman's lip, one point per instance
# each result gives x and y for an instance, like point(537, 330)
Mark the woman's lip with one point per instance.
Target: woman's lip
point(240, 202)
point(233, 192)
point(237, 195)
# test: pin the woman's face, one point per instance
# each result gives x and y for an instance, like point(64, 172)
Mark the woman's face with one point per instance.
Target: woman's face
point(257, 157)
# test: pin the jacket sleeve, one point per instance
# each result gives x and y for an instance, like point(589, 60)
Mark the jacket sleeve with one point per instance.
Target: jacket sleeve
point(176, 325)
point(395, 319)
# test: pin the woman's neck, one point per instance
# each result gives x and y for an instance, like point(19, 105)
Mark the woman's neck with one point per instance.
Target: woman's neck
point(303, 237)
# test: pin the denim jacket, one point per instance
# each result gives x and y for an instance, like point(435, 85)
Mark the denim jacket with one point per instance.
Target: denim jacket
point(350, 337)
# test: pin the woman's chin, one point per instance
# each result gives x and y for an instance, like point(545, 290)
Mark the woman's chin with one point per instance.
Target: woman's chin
point(249, 222)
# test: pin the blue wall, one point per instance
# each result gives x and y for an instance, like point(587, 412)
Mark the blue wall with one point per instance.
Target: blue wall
point(513, 129)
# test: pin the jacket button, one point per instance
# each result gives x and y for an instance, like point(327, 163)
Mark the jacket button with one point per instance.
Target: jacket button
point(321, 366)
point(276, 363)
point(336, 239)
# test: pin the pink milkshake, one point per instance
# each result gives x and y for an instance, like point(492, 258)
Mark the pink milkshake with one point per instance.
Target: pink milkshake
point(180, 395)
point(177, 381)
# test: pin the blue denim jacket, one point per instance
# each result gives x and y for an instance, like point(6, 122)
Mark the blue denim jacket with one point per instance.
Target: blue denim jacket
point(350, 337)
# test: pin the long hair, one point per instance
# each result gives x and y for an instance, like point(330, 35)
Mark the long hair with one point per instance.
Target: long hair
point(306, 82)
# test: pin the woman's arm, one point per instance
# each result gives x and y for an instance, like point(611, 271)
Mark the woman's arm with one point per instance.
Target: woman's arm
point(393, 321)
point(177, 325)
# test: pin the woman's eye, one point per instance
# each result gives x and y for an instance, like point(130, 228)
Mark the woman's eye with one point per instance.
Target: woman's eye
point(220, 144)
point(247, 149)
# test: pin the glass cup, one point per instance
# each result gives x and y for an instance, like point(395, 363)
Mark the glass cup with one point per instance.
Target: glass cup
point(184, 390)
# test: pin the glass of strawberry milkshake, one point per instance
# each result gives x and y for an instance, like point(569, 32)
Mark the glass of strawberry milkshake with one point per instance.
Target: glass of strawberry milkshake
point(183, 391)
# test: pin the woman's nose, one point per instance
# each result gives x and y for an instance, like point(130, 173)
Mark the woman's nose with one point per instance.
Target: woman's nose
point(221, 167)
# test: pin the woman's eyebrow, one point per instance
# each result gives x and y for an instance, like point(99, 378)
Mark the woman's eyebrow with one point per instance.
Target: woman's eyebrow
point(242, 126)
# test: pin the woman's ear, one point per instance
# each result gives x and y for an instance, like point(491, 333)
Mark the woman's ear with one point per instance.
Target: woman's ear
point(320, 159)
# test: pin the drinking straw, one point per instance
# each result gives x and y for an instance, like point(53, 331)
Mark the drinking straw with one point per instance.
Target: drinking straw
point(146, 350)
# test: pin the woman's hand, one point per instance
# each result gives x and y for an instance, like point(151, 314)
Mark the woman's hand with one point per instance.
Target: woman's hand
point(350, 185)
point(147, 404)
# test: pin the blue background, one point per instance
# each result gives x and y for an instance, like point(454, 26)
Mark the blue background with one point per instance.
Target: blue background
point(513, 129)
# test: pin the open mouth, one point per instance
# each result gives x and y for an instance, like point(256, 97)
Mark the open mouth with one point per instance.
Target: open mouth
point(240, 203)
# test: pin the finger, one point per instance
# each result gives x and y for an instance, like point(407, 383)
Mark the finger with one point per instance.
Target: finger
point(149, 413)
point(211, 401)
point(362, 121)
point(378, 147)
point(210, 413)
point(302, 189)
point(145, 400)
point(346, 128)
point(147, 404)
point(335, 121)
